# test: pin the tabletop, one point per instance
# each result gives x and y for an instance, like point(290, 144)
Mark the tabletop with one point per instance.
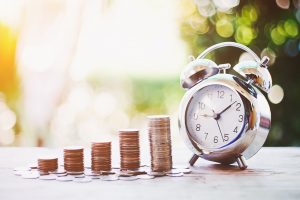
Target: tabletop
point(273, 173)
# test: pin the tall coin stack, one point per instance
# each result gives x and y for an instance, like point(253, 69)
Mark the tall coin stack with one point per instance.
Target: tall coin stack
point(160, 143)
point(101, 156)
point(129, 149)
point(73, 160)
point(47, 164)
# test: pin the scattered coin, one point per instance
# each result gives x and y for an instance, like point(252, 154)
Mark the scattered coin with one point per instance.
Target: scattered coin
point(58, 171)
point(82, 180)
point(48, 177)
point(145, 176)
point(47, 164)
point(22, 169)
point(109, 178)
point(30, 175)
point(185, 171)
point(128, 178)
point(20, 173)
point(157, 174)
point(65, 178)
point(175, 175)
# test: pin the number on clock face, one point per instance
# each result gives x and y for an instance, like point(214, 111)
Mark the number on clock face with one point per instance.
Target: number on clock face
point(215, 116)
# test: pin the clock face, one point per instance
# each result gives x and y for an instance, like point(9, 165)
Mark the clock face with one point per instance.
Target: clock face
point(215, 116)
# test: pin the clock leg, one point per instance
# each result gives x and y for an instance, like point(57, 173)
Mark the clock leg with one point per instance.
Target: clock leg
point(241, 161)
point(193, 159)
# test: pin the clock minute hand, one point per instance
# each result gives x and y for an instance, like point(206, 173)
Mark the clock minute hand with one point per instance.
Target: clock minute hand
point(225, 109)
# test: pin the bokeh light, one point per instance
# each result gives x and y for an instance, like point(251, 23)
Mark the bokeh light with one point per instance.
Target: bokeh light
point(269, 53)
point(7, 137)
point(224, 28)
point(276, 94)
point(284, 4)
point(198, 23)
point(206, 7)
point(277, 37)
point(291, 48)
point(244, 35)
point(291, 28)
point(225, 5)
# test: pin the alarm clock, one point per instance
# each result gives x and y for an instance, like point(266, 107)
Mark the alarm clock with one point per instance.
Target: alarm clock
point(223, 117)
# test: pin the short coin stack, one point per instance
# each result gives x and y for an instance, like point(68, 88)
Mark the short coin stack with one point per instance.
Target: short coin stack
point(129, 149)
point(47, 164)
point(73, 159)
point(160, 143)
point(101, 156)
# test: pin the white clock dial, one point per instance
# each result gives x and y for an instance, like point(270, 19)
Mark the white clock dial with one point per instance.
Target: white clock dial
point(215, 116)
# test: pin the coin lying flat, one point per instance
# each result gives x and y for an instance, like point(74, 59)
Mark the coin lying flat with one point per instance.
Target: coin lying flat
point(128, 178)
point(22, 169)
point(31, 175)
point(48, 177)
point(109, 178)
point(65, 178)
point(82, 180)
point(175, 175)
point(145, 177)
point(156, 174)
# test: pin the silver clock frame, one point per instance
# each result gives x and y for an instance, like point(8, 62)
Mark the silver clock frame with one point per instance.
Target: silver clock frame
point(257, 121)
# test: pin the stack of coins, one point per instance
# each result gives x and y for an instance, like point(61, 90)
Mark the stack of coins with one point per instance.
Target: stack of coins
point(73, 160)
point(160, 143)
point(129, 149)
point(101, 156)
point(47, 164)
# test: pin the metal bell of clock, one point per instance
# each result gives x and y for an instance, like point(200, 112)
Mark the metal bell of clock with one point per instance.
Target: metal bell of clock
point(201, 73)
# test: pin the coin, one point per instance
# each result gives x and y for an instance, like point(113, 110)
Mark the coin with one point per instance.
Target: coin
point(109, 178)
point(145, 176)
point(157, 174)
point(101, 156)
point(31, 175)
point(129, 149)
point(128, 178)
point(65, 178)
point(175, 175)
point(82, 180)
point(47, 164)
point(160, 143)
point(48, 177)
point(74, 160)
point(22, 169)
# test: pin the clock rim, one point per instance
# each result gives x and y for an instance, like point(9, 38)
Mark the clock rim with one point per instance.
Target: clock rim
point(244, 113)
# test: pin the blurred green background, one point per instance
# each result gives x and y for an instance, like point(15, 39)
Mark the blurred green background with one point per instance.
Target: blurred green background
point(76, 71)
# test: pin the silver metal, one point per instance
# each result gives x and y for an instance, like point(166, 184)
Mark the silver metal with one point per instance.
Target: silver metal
point(241, 161)
point(256, 127)
point(229, 44)
point(196, 71)
point(193, 159)
point(260, 76)
point(224, 67)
